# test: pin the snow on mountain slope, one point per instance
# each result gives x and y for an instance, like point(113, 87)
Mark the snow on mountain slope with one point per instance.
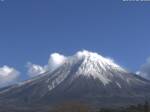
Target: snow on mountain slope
point(96, 66)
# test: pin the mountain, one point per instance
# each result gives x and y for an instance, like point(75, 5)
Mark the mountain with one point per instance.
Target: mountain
point(85, 77)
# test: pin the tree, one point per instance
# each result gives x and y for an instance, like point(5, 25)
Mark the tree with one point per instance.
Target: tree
point(146, 106)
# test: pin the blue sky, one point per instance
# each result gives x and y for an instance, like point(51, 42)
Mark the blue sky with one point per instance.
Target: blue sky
point(30, 30)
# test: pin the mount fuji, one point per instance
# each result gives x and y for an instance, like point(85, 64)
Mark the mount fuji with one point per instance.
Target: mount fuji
point(85, 77)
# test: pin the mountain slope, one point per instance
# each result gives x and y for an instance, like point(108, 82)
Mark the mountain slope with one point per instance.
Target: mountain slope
point(84, 77)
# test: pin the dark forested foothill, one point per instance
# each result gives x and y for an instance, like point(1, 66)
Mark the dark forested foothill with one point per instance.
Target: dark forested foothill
point(79, 107)
point(132, 108)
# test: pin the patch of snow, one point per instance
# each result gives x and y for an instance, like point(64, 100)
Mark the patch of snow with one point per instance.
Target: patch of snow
point(118, 84)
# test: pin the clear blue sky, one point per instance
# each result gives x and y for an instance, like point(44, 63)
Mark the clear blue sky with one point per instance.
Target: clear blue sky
point(32, 29)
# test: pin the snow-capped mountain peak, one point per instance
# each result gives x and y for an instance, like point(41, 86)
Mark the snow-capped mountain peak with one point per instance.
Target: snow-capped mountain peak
point(96, 66)
point(95, 58)
point(89, 65)
point(86, 64)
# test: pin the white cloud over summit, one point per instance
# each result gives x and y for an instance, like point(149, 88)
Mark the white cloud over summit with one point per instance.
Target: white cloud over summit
point(55, 60)
point(8, 75)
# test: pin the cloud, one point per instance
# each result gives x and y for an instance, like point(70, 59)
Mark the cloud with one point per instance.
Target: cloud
point(145, 70)
point(8, 75)
point(34, 70)
point(54, 61)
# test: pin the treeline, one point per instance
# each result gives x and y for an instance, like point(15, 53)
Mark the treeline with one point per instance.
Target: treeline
point(78, 107)
point(132, 108)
